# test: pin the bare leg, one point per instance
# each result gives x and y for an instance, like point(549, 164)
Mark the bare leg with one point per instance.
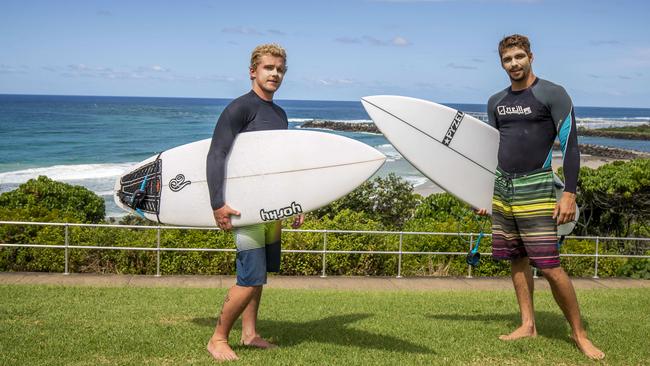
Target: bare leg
point(236, 301)
point(249, 335)
point(565, 296)
point(522, 279)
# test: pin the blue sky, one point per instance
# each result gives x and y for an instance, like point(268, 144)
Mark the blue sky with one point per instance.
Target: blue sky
point(442, 50)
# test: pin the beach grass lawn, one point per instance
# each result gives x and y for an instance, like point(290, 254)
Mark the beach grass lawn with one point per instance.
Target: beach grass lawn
point(49, 325)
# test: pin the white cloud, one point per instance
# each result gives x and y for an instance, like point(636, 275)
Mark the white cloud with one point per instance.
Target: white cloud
point(152, 68)
point(453, 65)
point(397, 41)
point(151, 72)
point(8, 69)
point(400, 42)
point(348, 40)
point(605, 42)
point(336, 82)
point(247, 31)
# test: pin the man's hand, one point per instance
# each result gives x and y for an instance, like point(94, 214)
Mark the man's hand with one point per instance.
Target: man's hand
point(222, 216)
point(297, 221)
point(481, 211)
point(565, 210)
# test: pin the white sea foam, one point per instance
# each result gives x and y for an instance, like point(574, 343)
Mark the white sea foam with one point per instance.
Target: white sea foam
point(594, 123)
point(67, 172)
point(303, 120)
point(389, 151)
point(415, 180)
point(104, 193)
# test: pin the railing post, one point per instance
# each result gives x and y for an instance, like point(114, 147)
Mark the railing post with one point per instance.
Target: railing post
point(323, 275)
point(596, 260)
point(158, 252)
point(469, 267)
point(67, 242)
point(399, 258)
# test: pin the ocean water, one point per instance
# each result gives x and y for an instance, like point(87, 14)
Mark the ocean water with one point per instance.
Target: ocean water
point(90, 141)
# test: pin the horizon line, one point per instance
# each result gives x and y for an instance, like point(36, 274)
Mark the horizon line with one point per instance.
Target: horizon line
point(232, 98)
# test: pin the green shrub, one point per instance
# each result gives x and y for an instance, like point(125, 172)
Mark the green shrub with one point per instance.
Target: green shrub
point(383, 204)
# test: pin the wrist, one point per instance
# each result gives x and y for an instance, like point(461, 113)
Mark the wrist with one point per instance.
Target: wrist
point(569, 195)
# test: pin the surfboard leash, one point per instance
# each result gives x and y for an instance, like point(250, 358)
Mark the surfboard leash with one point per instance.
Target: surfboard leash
point(473, 256)
point(138, 197)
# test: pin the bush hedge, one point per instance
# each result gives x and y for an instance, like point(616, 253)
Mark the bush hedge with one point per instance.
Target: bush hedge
point(382, 204)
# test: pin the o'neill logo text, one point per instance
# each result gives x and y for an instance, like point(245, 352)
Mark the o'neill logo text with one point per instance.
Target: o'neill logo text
point(503, 110)
point(280, 213)
point(177, 183)
point(453, 128)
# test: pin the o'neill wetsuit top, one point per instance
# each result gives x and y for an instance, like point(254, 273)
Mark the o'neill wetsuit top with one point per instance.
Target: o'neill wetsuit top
point(244, 114)
point(528, 121)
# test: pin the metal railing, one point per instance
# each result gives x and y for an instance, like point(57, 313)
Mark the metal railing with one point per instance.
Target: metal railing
point(66, 246)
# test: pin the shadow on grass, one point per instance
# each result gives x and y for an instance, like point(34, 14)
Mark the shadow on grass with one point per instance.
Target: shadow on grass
point(549, 324)
point(332, 330)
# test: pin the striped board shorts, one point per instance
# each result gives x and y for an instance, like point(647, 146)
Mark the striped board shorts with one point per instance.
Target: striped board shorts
point(522, 218)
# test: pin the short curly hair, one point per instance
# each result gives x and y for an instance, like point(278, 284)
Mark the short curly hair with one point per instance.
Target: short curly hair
point(272, 49)
point(514, 40)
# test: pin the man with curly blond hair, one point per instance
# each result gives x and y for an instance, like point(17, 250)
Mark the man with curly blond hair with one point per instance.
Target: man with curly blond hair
point(258, 246)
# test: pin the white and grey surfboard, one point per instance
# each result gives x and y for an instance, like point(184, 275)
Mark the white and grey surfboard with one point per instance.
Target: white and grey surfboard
point(270, 175)
point(455, 150)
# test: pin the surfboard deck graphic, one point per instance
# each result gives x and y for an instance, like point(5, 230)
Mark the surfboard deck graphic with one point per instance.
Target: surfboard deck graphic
point(146, 178)
point(270, 175)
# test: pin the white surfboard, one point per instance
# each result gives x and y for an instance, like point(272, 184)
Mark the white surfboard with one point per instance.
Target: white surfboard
point(270, 175)
point(455, 150)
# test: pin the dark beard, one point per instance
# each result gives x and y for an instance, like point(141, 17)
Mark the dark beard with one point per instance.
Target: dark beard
point(524, 75)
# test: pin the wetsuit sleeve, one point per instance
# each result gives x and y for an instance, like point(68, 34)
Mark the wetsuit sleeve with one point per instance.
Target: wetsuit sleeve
point(230, 123)
point(563, 115)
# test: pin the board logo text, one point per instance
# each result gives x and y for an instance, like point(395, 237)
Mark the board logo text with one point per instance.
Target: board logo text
point(453, 128)
point(177, 183)
point(280, 213)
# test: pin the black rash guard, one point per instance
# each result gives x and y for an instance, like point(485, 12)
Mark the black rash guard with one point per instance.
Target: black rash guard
point(244, 114)
point(528, 121)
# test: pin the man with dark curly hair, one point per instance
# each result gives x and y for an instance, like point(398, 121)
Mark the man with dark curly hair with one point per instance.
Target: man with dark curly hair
point(530, 114)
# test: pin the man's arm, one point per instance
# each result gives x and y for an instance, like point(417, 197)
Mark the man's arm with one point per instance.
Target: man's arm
point(228, 126)
point(565, 123)
point(563, 116)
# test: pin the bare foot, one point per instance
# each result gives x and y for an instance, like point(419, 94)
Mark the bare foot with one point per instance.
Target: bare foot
point(521, 332)
point(588, 348)
point(257, 342)
point(221, 351)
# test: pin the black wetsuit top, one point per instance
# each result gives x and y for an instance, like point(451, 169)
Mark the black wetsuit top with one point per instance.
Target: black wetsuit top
point(528, 122)
point(244, 114)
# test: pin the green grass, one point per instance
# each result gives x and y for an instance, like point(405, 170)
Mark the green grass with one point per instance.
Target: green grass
point(47, 325)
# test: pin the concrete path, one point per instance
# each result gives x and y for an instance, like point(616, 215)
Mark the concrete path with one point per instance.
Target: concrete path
point(303, 282)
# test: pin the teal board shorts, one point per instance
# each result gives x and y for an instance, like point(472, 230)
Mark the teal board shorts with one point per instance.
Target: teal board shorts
point(258, 252)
